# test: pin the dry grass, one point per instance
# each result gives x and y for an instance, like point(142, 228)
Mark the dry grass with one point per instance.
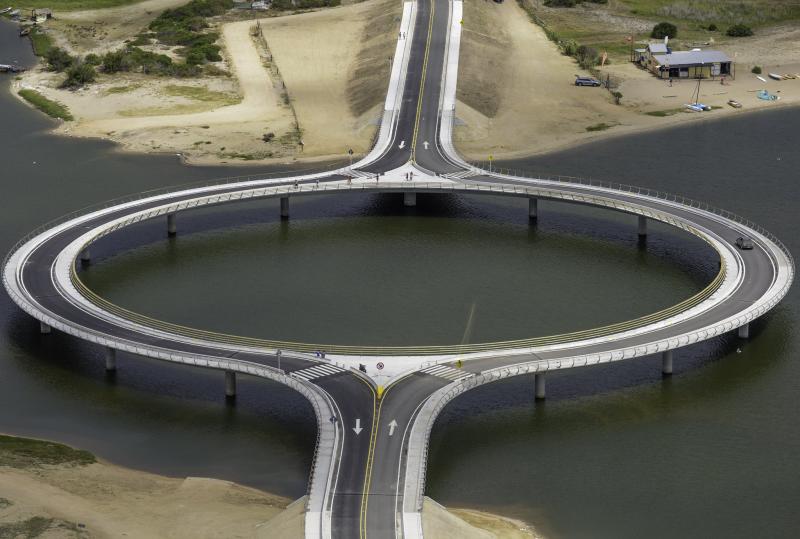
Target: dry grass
point(480, 71)
point(369, 75)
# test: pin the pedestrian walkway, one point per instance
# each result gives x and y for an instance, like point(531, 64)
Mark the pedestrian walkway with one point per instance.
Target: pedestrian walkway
point(445, 371)
point(317, 371)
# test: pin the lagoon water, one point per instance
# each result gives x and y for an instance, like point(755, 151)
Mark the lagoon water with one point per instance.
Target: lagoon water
point(613, 452)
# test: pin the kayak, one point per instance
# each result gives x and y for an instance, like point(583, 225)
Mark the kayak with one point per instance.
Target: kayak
point(775, 76)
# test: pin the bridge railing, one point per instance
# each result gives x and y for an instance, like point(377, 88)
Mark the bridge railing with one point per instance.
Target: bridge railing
point(481, 167)
point(288, 175)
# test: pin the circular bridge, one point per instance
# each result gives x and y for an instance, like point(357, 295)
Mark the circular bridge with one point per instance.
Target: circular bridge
point(366, 478)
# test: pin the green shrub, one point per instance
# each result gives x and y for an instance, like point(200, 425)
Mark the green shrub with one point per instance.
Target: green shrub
point(92, 60)
point(739, 30)
point(664, 29)
point(560, 3)
point(617, 97)
point(756, 70)
point(58, 59)
point(79, 75)
point(712, 27)
point(570, 47)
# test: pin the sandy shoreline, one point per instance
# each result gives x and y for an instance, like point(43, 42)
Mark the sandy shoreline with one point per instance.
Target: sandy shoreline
point(516, 97)
point(286, 99)
point(51, 490)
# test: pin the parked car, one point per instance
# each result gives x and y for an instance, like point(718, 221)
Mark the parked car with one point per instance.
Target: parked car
point(586, 81)
point(744, 243)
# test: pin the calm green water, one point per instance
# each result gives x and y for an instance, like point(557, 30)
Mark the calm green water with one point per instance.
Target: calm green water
point(480, 274)
point(613, 452)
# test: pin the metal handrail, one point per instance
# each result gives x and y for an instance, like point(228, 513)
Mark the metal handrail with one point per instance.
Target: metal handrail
point(481, 167)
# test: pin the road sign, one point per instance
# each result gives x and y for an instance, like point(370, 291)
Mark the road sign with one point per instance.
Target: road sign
point(459, 364)
point(350, 151)
point(491, 158)
point(380, 366)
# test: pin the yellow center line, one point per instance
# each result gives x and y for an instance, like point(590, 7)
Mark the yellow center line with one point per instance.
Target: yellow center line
point(422, 80)
point(371, 459)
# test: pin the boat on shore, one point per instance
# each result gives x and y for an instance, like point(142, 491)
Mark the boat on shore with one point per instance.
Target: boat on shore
point(735, 104)
point(9, 68)
point(766, 96)
point(5, 10)
point(775, 76)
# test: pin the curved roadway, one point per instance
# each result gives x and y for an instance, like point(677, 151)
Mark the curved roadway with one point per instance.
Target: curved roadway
point(369, 469)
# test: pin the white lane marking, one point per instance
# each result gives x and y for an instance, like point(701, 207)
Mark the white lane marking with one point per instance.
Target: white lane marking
point(317, 371)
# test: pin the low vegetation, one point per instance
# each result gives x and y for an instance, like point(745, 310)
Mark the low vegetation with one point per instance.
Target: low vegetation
point(602, 126)
point(199, 93)
point(610, 27)
point(39, 526)
point(53, 109)
point(756, 70)
point(739, 30)
point(72, 5)
point(186, 26)
point(27, 453)
point(41, 42)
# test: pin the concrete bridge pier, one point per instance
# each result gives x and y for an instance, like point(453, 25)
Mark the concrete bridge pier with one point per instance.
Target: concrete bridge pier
point(44, 329)
point(666, 362)
point(285, 207)
point(744, 331)
point(533, 209)
point(409, 199)
point(230, 384)
point(642, 226)
point(539, 383)
point(86, 256)
point(172, 226)
point(111, 359)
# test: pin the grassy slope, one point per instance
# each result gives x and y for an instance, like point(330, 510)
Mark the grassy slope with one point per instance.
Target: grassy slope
point(605, 27)
point(71, 5)
point(25, 453)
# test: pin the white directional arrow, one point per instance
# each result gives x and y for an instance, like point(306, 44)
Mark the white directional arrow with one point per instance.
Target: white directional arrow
point(392, 426)
point(358, 428)
point(425, 144)
point(402, 144)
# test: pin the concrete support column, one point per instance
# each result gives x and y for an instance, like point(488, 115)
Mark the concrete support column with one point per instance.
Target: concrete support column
point(172, 226)
point(533, 208)
point(111, 359)
point(230, 384)
point(666, 362)
point(642, 226)
point(44, 329)
point(284, 207)
point(744, 331)
point(86, 256)
point(539, 382)
point(409, 199)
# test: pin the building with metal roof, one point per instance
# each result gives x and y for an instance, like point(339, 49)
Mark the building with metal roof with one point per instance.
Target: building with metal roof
point(694, 64)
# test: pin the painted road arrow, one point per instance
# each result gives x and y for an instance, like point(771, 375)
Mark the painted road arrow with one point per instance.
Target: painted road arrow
point(357, 429)
point(402, 144)
point(425, 144)
point(392, 426)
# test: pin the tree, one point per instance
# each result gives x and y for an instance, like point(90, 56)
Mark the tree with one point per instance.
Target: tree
point(79, 75)
point(664, 29)
point(59, 59)
point(739, 30)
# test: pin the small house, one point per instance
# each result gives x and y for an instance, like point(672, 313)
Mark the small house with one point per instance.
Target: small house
point(41, 14)
point(693, 64)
